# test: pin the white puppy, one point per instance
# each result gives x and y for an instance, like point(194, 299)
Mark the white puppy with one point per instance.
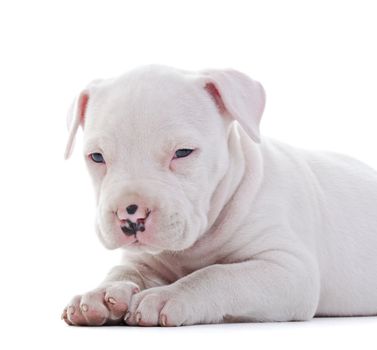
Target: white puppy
point(217, 226)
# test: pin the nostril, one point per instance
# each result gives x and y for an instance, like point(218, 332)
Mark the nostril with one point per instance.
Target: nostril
point(131, 209)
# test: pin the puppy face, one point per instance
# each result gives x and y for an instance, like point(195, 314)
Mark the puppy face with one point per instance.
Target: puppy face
point(155, 143)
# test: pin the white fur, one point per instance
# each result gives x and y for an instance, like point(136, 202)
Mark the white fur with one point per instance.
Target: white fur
point(239, 230)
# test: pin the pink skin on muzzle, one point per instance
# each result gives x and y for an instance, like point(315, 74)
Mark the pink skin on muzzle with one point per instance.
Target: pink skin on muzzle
point(132, 219)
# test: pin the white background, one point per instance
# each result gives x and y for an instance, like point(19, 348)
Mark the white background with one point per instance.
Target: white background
point(317, 61)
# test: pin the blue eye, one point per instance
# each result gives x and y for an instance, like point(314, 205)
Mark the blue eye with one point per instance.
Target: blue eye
point(181, 153)
point(96, 157)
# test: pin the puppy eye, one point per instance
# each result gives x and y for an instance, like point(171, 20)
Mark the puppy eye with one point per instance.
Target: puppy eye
point(181, 153)
point(97, 157)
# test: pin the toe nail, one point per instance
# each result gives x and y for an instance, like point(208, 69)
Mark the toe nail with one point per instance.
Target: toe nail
point(128, 314)
point(84, 307)
point(71, 310)
point(138, 317)
point(163, 320)
point(64, 314)
point(111, 300)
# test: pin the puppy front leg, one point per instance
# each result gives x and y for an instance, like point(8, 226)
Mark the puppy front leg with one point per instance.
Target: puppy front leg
point(276, 286)
point(140, 274)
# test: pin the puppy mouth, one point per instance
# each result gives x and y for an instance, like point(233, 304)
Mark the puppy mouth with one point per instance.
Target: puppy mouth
point(130, 228)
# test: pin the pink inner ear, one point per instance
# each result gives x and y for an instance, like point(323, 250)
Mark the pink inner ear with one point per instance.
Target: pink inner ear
point(211, 88)
point(83, 104)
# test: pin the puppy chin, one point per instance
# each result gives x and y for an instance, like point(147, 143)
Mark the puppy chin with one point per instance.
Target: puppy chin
point(143, 248)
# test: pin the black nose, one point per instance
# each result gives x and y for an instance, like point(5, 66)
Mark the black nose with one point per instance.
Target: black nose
point(131, 209)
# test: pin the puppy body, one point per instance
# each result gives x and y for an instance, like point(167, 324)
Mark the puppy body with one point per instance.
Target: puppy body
point(310, 213)
point(263, 231)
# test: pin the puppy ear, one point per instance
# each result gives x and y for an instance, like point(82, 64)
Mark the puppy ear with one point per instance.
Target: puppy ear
point(75, 118)
point(237, 95)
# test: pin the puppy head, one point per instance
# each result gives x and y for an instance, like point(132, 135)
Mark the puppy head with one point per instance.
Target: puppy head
point(155, 143)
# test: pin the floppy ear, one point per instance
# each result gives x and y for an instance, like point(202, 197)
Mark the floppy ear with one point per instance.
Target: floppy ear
point(237, 95)
point(75, 118)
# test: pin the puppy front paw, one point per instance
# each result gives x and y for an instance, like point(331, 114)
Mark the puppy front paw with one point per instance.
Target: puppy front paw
point(163, 306)
point(107, 304)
